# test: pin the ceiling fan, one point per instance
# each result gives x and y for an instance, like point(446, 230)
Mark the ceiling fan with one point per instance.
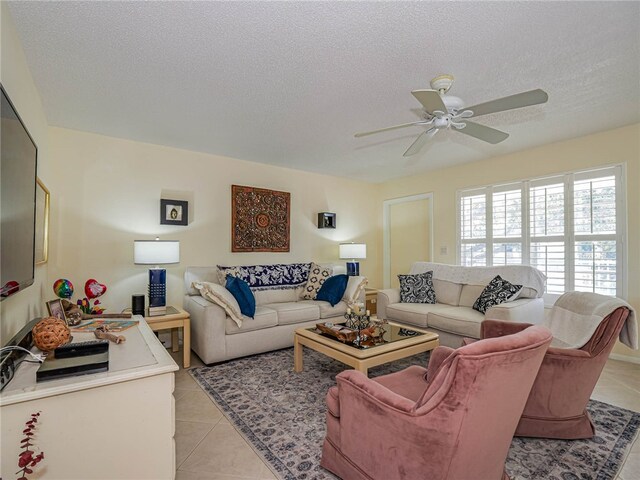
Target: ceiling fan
point(443, 111)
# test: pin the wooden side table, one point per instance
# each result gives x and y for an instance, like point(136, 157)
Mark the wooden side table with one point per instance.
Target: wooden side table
point(175, 318)
point(371, 296)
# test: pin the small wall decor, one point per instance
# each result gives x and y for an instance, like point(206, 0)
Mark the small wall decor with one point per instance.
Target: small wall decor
point(259, 220)
point(174, 212)
point(326, 220)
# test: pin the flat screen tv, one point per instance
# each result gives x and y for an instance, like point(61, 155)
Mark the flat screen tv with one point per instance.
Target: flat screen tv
point(18, 163)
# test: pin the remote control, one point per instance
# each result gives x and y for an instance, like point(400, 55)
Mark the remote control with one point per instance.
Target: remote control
point(81, 349)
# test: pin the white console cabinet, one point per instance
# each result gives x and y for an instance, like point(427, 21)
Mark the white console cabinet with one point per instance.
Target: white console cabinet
point(113, 425)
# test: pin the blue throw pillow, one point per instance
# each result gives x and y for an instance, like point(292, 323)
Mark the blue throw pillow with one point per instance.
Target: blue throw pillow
point(332, 290)
point(243, 295)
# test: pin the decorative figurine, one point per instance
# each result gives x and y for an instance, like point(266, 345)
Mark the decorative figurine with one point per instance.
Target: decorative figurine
point(358, 321)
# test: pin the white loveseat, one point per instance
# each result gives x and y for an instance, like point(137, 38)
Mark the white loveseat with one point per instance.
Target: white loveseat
point(457, 288)
point(215, 337)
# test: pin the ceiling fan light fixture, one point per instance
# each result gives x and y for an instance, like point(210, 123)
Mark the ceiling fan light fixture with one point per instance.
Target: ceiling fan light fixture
point(452, 103)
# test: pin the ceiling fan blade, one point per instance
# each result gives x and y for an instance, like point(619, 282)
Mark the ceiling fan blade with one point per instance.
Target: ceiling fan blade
point(519, 100)
point(430, 100)
point(362, 134)
point(483, 132)
point(420, 142)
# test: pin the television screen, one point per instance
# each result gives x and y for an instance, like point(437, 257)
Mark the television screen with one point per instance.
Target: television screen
point(18, 157)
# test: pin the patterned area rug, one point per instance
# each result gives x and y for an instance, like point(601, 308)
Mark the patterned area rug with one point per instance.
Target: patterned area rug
point(282, 415)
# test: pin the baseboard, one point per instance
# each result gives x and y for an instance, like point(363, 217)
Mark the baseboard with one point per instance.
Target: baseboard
point(624, 358)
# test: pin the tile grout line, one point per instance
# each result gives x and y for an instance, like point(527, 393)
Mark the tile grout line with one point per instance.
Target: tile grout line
point(213, 425)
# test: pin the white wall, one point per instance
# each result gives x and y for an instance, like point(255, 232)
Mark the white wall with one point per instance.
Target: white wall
point(16, 79)
point(105, 193)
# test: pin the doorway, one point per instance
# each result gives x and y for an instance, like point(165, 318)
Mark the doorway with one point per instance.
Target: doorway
point(407, 235)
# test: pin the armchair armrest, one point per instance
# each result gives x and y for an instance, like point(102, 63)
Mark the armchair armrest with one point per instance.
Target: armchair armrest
point(387, 297)
point(499, 328)
point(376, 393)
point(566, 353)
point(435, 360)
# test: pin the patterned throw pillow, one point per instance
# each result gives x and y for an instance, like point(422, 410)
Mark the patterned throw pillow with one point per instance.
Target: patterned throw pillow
point(317, 276)
point(417, 288)
point(498, 291)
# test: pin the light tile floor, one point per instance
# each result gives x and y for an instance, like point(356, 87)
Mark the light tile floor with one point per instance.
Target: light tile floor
point(209, 448)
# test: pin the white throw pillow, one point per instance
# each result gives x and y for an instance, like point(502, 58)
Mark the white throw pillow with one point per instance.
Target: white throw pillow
point(355, 285)
point(220, 296)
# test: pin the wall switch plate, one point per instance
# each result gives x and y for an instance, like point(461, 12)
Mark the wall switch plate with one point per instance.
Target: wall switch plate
point(444, 250)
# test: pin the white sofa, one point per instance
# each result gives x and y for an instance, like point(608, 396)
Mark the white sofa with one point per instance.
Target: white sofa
point(215, 337)
point(457, 288)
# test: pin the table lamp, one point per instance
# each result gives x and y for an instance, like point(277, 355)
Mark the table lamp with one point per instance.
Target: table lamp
point(353, 251)
point(156, 252)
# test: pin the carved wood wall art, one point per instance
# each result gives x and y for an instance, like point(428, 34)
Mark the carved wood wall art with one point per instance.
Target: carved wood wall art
point(260, 220)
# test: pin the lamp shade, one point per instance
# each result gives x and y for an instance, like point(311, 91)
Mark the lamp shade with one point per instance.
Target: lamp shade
point(156, 252)
point(353, 250)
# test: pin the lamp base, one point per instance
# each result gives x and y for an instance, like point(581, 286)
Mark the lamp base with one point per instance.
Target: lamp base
point(353, 269)
point(157, 287)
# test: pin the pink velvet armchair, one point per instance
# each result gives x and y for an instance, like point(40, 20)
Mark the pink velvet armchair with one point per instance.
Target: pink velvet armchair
point(454, 420)
point(557, 404)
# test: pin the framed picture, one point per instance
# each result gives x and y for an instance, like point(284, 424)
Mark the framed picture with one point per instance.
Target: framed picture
point(259, 219)
point(42, 223)
point(174, 212)
point(55, 309)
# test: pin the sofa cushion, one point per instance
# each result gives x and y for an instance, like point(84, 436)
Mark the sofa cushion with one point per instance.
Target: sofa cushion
point(317, 276)
point(295, 312)
point(417, 288)
point(413, 313)
point(220, 296)
point(263, 318)
point(243, 295)
point(498, 291)
point(447, 292)
point(265, 297)
point(333, 289)
point(459, 320)
point(469, 294)
point(328, 311)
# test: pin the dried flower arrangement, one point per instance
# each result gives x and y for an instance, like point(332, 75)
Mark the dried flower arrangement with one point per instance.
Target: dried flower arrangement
point(26, 458)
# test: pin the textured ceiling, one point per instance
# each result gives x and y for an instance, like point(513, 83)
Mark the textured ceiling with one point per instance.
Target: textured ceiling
point(290, 83)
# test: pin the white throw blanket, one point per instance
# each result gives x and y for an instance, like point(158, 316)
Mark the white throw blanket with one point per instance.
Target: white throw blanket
point(576, 315)
point(524, 275)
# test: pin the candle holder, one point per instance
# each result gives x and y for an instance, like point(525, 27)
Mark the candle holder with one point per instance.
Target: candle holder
point(358, 321)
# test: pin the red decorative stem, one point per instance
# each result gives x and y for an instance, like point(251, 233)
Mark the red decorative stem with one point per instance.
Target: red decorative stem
point(26, 458)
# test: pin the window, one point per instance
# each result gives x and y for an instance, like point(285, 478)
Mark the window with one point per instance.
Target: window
point(567, 226)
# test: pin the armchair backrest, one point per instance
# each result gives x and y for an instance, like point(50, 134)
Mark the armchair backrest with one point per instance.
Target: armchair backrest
point(478, 395)
point(607, 333)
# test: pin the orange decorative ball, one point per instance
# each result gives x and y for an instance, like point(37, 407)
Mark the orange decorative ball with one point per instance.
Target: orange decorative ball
point(50, 333)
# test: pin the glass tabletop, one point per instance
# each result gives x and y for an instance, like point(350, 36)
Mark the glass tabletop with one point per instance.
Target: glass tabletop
point(391, 333)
